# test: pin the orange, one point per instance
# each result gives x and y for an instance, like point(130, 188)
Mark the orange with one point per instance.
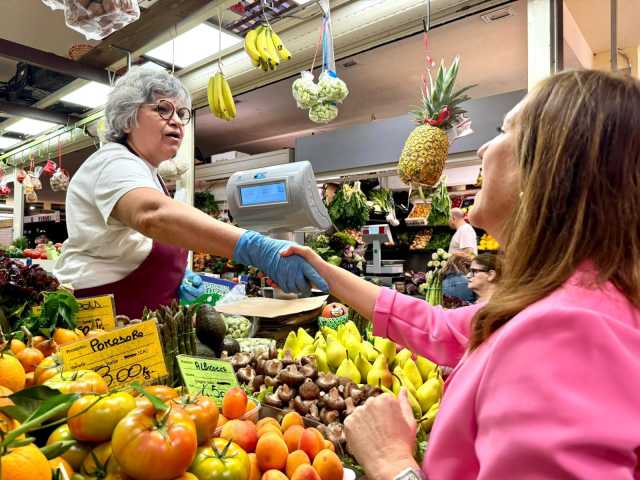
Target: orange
point(17, 346)
point(63, 336)
point(46, 345)
point(328, 465)
point(30, 358)
point(48, 368)
point(292, 437)
point(271, 452)
point(294, 460)
point(274, 475)
point(305, 472)
point(254, 471)
point(25, 463)
point(311, 441)
point(7, 423)
point(29, 380)
point(60, 462)
point(12, 374)
point(5, 393)
point(290, 419)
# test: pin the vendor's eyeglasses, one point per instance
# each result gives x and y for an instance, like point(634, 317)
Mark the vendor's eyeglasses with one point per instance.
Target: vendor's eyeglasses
point(473, 271)
point(166, 110)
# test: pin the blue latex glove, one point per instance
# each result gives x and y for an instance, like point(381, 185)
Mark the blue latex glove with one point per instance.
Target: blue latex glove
point(191, 287)
point(292, 274)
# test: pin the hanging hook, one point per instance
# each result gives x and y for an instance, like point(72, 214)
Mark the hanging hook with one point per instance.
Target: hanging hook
point(426, 21)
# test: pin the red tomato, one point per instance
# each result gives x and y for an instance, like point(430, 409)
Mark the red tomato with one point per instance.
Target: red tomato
point(92, 419)
point(155, 445)
point(204, 413)
point(234, 403)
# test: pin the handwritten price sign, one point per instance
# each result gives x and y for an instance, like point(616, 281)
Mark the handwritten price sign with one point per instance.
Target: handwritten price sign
point(95, 313)
point(207, 376)
point(121, 356)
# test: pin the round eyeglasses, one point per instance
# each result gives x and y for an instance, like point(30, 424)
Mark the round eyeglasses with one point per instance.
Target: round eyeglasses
point(166, 110)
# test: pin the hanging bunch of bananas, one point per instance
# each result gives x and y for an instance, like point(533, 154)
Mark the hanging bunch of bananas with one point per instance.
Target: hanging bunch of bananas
point(265, 48)
point(220, 99)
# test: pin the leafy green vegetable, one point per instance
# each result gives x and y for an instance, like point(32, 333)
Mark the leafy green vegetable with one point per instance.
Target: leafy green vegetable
point(441, 204)
point(38, 399)
point(206, 201)
point(381, 200)
point(59, 308)
point(349, 207)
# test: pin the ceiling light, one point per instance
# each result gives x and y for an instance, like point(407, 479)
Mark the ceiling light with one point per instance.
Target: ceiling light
point(29, 126)
point(32, 207)
point(194, 45)
point(6, 142)
point(91, 95)
point(303, 2)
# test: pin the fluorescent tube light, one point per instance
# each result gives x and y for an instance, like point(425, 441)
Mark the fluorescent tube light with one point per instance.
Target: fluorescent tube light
point(193, 45)
point(90, 95)
point(29, 126)
point(6, 142)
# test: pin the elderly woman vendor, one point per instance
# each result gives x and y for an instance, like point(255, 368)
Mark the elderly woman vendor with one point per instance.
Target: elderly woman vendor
point(127, 236)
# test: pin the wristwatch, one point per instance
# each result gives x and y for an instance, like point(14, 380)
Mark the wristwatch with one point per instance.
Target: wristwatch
point(410, 474)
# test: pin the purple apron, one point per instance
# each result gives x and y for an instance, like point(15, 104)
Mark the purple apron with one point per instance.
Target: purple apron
point(155, 282)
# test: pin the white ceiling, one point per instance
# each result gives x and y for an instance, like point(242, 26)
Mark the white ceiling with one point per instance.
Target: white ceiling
point(384, 83)
point(592, 17)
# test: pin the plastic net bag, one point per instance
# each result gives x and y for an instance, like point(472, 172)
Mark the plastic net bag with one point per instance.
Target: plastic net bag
point(305, 91)
point(96, 19)
point(323, 112)
point(59, 181)
point(331, 88)
point(54, 4)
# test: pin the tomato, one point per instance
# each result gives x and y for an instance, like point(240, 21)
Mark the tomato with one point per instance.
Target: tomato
point(100, 463)
point(163, 392)
point(155, 445)
point(222, 460)
point(77, 453)
point(48, 368)
point(93, 418)
point(204, 413)
point(80, 381)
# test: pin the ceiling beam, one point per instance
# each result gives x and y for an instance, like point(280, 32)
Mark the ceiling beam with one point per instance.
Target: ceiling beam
point(158, 19)
point(49, 61)
point(34, 113)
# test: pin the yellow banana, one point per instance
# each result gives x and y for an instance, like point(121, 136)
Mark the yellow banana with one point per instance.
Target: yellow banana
point(228, 98)
point(211, 97)
point(225, 113)
point(250, 46)
point(273, 54)
point(218, 96)
point(261, 45)
point(283, 53)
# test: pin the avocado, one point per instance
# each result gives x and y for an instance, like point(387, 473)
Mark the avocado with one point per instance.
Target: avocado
point(231, 346)
point(210, 327)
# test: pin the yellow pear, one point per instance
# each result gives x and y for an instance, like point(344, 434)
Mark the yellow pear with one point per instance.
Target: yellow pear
point(396, 385)
point(348, 369)
point(304, 338)
point(370, 351)
point(402, 356)
point(429, 393)
point(426, 422)
point(321, 360)
point(379, 375)
point(306, 350)
point(320, 342)
point(425, 367)
point(336, 353)
point(329, 331)
point(291, 344)
point(386, 347)
point(411, 371)
point(415, 405)
point(363, 365)
point(404, 381)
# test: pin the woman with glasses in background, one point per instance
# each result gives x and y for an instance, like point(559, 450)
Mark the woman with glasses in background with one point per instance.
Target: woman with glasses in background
point(484, 275)
point(127, 236)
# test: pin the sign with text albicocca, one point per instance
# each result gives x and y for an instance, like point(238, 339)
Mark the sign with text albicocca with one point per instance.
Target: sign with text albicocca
point(121, 357)
point(95, 313)
point(207, 376)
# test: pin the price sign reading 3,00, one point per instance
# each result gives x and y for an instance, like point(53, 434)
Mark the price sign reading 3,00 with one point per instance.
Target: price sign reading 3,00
point(121, 356)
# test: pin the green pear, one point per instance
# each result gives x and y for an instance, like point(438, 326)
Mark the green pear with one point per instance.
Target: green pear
point(336, 353)
point(426, 422)
point(425, 367)
point(370, 351)
point(386, 347)
point(304, 338)
point(402, 356)
point(363, 365)
point(411, 371)
point(291, 344)
point(415, 406)
point(429, 393)
point(321, 360)
point(404, 381)
point(379, 375)
point(348, 369)
point(396, 385)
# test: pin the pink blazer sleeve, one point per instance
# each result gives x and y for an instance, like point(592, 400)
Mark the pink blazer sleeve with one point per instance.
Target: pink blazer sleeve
point(559, 398)
point(440, 335)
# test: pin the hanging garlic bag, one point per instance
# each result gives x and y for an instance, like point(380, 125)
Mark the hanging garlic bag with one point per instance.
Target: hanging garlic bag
point(331, 88)
point(96, 19)
point(305, 91)
point(59, 181)
point(54, 4)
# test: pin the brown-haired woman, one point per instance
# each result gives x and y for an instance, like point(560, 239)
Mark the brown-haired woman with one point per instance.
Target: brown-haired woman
point(547, 373)
point(484, 275)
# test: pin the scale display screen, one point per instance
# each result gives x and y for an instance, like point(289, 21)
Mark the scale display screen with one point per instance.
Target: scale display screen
point(263, 193)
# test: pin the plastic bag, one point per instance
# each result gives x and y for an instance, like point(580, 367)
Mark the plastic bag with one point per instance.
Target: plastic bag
point(305, 91)
point(96, 19)
point(21, 175)
point(323, 112)
point(331, 88)
point(35, 182)
point(54, 4)
point(59, 181)
point(29, 194)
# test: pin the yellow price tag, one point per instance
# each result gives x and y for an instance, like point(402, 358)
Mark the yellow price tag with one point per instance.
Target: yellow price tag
point(95, 313)
point(121, 357)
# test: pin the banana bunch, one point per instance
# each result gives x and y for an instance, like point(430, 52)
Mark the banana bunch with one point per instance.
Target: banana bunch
point(220, 99)
point(265, 48)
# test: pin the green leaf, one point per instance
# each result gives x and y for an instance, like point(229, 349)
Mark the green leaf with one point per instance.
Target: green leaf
point(56, 449)
point(155, 401)
point(28, 401)
point(53, 402)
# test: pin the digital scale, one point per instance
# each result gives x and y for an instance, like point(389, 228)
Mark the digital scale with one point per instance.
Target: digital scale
point(377, 235)
point(278, 199)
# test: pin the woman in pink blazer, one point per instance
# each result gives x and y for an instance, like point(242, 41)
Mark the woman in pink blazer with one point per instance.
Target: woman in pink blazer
point(546, 380)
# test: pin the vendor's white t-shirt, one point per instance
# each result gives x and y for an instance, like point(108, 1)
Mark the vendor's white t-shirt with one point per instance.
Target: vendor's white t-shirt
point(465, 237)
point(100, 249)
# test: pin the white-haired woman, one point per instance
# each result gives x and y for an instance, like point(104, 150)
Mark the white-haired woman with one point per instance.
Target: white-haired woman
point(127, 236)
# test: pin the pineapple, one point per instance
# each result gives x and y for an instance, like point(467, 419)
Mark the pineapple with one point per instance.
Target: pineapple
point(426, 150)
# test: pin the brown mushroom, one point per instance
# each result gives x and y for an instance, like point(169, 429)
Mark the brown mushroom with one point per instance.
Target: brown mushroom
point(240, 360)
point(308, 360)
point(326, 381)
point(335, 433)
point(285, 393)
point(257, 382)
point(287, 358)
point(301, 406)
point(309, 370)
point(309, 390)
point(273, 400)
point(333, 400)
point(272, 367)
point(291, 376)
point(314, 413)
point(355, 393)
point(246, 375)
point(350, 406)
point(270, 382)
point(329, 416)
